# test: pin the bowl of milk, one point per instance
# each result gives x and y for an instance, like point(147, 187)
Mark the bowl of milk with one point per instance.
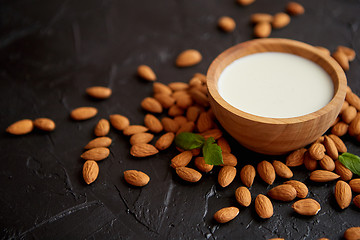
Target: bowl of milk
point(275, 95)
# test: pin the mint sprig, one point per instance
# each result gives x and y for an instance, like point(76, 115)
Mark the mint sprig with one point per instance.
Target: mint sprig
point(351, 161)
point(211, 151)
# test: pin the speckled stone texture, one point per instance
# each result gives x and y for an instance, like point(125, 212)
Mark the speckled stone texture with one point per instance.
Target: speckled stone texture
point(50, 51)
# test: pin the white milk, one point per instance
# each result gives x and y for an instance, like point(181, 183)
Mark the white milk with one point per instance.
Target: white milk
point(276, 85)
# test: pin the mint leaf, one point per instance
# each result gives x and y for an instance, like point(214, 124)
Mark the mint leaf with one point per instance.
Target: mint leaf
point(212, 152)
point(351, 161)
point(189, 141)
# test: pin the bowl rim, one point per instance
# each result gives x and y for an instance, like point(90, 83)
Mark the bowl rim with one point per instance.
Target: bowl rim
point(339, 93)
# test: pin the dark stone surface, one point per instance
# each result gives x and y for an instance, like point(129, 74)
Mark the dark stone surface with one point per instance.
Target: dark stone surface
point(50, 51)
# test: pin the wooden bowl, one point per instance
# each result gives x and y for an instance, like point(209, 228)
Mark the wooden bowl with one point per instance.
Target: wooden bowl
point(275, 136)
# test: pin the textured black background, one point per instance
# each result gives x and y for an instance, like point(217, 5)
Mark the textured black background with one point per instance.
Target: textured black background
point(50, 51)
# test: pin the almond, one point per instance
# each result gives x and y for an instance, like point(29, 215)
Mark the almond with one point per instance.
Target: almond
point(353, 100)
point(307, 207)
point(201, 76)
point(320, 139)
point(355, 185)
point(181, 160)
point(331, 148)
point(188, 58)
point(350, 53)
point(282, 170)
point(309, 162)
point(215, 133)
point(199, 97)
point(181, 120)
point(161, 88)
point(324, 50)
point(165, 100)
point(245, 2)
point(229, 159)
point(342, 59)
point(224, 145)
point(99, 142)
point(102, 128)
point(227, 24)
point(151, 104)
point(202, 166)
point(193, 113)
point(340, 129)
point(317, 151)
point(296, 158)
point(96, 154)
point(356, 201)
point(45, 124)
point(184, 102)
point(323, 176)
point(99, 92)
point(195, 82)
point(188, 174)
point(247, 175)
point(165, 141)
point(146, 73)
point(83, 113)
point(263, 206)
point(301, 188)
point(187, 127)
point(170, 125)
point(343, 194)
point(344, 172)
point(133, 129)
point(178, 86)
point(90, 171)
point(226, 175)
point(119, 122)
point(262, 29)
point(243, 196)
point(295, 9)
point(204, 122)
point(352, 233)
point(349, 114)
point(141, 138)
point(136, 178)
point(143, 150)
point(337, 119)
point(280, 20)
point(341, 147)
point(344, 106)
point(284, 192)
point(227, 214)
point(261, 17)
point(178, 94)
point(21, 127)
point(327, 163)
point(175, 111)
point(354, 127)
point(152, 123)
point(266, 172)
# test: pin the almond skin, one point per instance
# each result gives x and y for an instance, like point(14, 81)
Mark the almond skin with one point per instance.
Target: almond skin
point(340, 129)
point(306, 207)
point(266, 171)
point(296, 158)
point(261, 17)
point(152, 105)
point(170, 125)
point(229, 159)
point(119, 122)
point(344, 172)
point(338, 143)
point(284, 192)
point(349, 114)
point(165, 141)
point(243, 196)
point(215, 133)
point(301, 189)
point(323, 176)
point(90, 171)
point(224, 145)
point(227, 24)
point(263, 206)
point(327, 163)
point(317, 151)
point(153, 123)
point(280, 20)
point(262, 29)
point(342, 59)
point(141, 138)
point(352, 233)
point(83, 113)
point(204, 122)
point(353, 99)
point(354, 127)
point(136, 178)
point(295, 9)
point(331, 148)
point(184, 101)
point(188, 174)
point(245, 2)
point(356, 201)
point(21, 127)
point(146, 73)
point(133, 129)
point(349, 52)
point(226, 214)
point(181, 160)
point(99, 142)
point(161, 88)
point(343, 194)
point(199, 97)
point(175, 111)
point(226, 175)
point(102, 128)
point(202, 166)
point(355, 185)
point(99, 92)
point(282, 170)
point(178, 86)
point(143, 150)
point(193, 113)
point(96, 154)
point(324, 50)
point(165, 100)
point(187, 127)
point(45, 124)
point(247, 175)
point(188, 58)
point(309, 162)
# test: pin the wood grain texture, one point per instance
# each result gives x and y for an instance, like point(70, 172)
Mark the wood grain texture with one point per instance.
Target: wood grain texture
point(275, 136)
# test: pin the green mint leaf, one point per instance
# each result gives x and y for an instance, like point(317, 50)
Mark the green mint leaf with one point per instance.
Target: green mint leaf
point(351, 161)
point(212, 152)
point(189, 141)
